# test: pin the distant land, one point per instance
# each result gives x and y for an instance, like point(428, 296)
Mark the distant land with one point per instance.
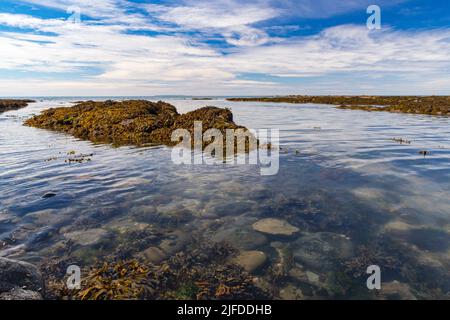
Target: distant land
point(431, 105)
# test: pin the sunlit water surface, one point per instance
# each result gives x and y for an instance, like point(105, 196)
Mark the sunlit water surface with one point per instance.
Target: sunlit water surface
point(357, 196)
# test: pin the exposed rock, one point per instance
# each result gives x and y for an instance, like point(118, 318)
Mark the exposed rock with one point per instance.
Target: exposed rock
point(20, 294)
point(8, 105)
point(17, 274)
point(133, 122)
point(49, 195)
point(275, 227)
point(251, 261)
point(87, 237)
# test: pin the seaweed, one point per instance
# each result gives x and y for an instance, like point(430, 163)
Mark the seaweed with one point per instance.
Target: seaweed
point(431, 105)
point(133, 122)
point(201, 272)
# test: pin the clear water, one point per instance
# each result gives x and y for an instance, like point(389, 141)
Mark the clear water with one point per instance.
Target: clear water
point(357, 196)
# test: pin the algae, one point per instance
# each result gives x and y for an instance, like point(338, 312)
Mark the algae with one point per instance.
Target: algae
point(431, 105)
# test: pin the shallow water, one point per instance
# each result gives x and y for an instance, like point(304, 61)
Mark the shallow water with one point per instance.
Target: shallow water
point(357, 196)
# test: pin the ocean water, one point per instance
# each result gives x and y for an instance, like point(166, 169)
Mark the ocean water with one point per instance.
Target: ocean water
point(357, 195)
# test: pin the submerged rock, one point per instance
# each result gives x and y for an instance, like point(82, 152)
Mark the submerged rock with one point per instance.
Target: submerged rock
point(88, 237)
point(251, 261)
point(16, 275)
point(290, 292)
point(322, 251)
point(285, 258)
point(275, 227)
point(131, 182)
point(154, 255)
point(240, 238)
point(176, 242)
point(396, 291)
point(132, 122)
point(232, 209)
point(312, 277)
point(20, 294)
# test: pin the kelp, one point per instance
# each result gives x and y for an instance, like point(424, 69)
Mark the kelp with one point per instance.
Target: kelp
point(202, 272)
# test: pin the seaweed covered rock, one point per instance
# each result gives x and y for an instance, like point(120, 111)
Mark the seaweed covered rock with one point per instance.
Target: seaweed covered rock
point(127, 122)
point(132, 122)
point(430, 105)
point(8, 105)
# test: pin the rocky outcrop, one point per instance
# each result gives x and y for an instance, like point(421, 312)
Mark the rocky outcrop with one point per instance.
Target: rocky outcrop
point(133, 122)
point(432, 105)
point(19, 280)
point(8, 105)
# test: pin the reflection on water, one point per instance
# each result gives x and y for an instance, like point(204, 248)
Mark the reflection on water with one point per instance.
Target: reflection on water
point(357, 196)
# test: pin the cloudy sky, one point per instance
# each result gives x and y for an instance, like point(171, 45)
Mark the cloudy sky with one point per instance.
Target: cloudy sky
point(222, 47)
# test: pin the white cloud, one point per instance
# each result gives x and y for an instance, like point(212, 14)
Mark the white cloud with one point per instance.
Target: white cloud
point(179, 64)
point(217, 16)
point(231, 19)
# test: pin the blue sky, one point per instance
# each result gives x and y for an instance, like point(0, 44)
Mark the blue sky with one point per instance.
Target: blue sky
point(223, 47)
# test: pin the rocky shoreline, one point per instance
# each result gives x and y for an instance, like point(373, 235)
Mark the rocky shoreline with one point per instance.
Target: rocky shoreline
point(132, 122)
point(431, 105)
point(12, 104)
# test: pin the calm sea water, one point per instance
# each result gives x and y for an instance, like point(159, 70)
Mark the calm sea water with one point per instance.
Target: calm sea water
point(357, 196)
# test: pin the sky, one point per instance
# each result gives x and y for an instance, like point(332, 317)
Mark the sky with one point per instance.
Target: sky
point(223, 47)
